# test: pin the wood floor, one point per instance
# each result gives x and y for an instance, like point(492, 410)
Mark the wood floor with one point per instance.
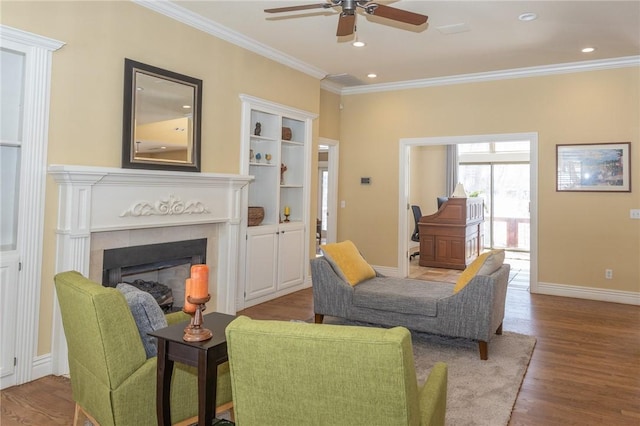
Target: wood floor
point(585, 368)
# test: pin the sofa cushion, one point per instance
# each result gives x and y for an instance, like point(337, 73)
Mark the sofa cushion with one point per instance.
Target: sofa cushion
point(347, 261)
point(485, 264)
point(147, 314)
point(401, 295)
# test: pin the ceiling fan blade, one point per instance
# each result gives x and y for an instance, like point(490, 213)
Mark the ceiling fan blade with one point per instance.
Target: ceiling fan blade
point(301, 7)
point(395, 14)
point(346, 24)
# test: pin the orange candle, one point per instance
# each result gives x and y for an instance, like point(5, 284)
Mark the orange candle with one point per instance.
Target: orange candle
point(188, 307)
point(200, 280)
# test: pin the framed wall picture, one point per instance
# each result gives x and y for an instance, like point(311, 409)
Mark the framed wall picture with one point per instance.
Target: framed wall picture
point(604, 167)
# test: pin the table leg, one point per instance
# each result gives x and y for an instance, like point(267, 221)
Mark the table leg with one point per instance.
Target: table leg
point(207, 383)
point(163, 385)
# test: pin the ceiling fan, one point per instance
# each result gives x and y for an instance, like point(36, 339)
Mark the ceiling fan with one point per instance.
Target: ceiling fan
point(347, 20)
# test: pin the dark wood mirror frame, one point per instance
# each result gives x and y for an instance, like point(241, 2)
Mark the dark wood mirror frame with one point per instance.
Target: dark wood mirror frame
point(173, 90)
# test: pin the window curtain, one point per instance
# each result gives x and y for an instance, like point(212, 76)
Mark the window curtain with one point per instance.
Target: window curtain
point(452, 169)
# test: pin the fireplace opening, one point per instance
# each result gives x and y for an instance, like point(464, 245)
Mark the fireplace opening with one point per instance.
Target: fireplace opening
point(159, 269)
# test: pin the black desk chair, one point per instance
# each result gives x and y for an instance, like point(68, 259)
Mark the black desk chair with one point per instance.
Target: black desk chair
point(417, 214)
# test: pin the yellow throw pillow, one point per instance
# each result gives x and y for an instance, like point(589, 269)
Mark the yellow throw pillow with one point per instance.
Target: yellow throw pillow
point(347, 259)
point(492, 259)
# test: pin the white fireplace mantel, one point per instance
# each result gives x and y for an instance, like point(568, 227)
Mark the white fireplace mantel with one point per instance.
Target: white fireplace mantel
point(99, 199)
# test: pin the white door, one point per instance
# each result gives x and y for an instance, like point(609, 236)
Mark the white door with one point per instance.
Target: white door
point(8, 296)
point(262, 249)
point(291, 262)
point(12, 91)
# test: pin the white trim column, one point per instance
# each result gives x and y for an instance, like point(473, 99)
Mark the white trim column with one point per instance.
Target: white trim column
point(38, 53)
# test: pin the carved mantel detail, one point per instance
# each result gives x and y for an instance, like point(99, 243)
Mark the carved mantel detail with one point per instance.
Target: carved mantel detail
point(163, 207)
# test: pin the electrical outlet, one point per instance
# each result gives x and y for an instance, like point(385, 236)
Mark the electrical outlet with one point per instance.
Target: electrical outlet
point(634, 213)
point(608, 274)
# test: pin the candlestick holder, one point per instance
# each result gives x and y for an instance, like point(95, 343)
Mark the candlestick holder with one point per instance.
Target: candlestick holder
point(286, 217)
point(194, 332)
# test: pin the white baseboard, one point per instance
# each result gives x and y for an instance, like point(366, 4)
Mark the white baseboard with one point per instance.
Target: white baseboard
point(579, 292)
point(42, 366)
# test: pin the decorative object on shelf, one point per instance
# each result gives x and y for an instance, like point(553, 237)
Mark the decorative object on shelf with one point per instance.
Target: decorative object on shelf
point(256, 215)
point(287, 213)
point(258, 157)
point(286, 133)
point(252, 156)
point(268, 158)
point(459, 191)
point(196, 295)
point(258, 129)
point(604, 167)
point(283, 168)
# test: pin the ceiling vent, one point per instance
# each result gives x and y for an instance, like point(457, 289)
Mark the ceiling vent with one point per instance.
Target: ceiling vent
point(344, 80)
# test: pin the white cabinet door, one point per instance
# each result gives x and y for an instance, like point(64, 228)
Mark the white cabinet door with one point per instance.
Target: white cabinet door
point(262, 249)
point(291, 262)
point(8, 295)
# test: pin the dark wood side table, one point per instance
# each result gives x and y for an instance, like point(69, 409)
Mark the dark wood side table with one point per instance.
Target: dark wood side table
point(206, 356)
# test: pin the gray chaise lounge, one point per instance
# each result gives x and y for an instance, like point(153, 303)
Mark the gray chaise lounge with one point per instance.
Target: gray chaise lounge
point(475, 312)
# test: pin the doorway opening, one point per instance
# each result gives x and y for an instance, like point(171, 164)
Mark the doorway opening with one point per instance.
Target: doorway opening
point(327, 193)
point(517, 164)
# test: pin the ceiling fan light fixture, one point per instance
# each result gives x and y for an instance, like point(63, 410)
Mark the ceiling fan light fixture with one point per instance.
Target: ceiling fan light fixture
point(528, 16)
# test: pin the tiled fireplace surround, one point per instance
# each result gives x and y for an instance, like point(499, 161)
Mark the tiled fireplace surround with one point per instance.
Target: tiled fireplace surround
point(103, 208)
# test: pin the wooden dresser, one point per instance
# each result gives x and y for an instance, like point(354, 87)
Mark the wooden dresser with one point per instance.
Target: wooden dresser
point(452, 237)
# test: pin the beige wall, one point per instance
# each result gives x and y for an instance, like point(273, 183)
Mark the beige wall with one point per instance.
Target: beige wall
point(580, 234)
point(87, 91)
point(329, 115)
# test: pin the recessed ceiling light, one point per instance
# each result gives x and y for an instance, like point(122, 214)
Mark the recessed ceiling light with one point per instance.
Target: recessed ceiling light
point(358, 43)
point(372, 75)
point(186, 106)
point(528, 16)
point(588, 50)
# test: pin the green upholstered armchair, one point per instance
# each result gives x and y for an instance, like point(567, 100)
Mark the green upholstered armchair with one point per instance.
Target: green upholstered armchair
point(291, 373)
point(112, 380)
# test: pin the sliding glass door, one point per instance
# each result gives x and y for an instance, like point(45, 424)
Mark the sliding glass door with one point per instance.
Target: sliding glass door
point(504, 185)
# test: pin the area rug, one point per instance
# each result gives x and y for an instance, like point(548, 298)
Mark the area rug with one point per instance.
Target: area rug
point(478, 392)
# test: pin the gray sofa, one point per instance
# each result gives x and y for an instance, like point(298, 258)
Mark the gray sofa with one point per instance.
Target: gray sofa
point(475, 312)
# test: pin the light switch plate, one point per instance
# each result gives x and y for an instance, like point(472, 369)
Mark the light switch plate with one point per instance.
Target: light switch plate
point(634, 213)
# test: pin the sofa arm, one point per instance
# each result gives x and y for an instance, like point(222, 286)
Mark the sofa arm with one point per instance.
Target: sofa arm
point(478, 309)
point(433, 396)
point(331, 294)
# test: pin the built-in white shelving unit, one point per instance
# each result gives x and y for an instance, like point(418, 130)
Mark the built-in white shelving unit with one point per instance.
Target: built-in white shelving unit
point(276, 150)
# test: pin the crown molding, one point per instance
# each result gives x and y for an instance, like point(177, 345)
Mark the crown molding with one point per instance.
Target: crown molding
point(19, 36)
point(173, 11)
point(208, 26)
point(571, 67)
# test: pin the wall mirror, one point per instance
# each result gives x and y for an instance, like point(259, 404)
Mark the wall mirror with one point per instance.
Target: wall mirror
point(161, 123)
